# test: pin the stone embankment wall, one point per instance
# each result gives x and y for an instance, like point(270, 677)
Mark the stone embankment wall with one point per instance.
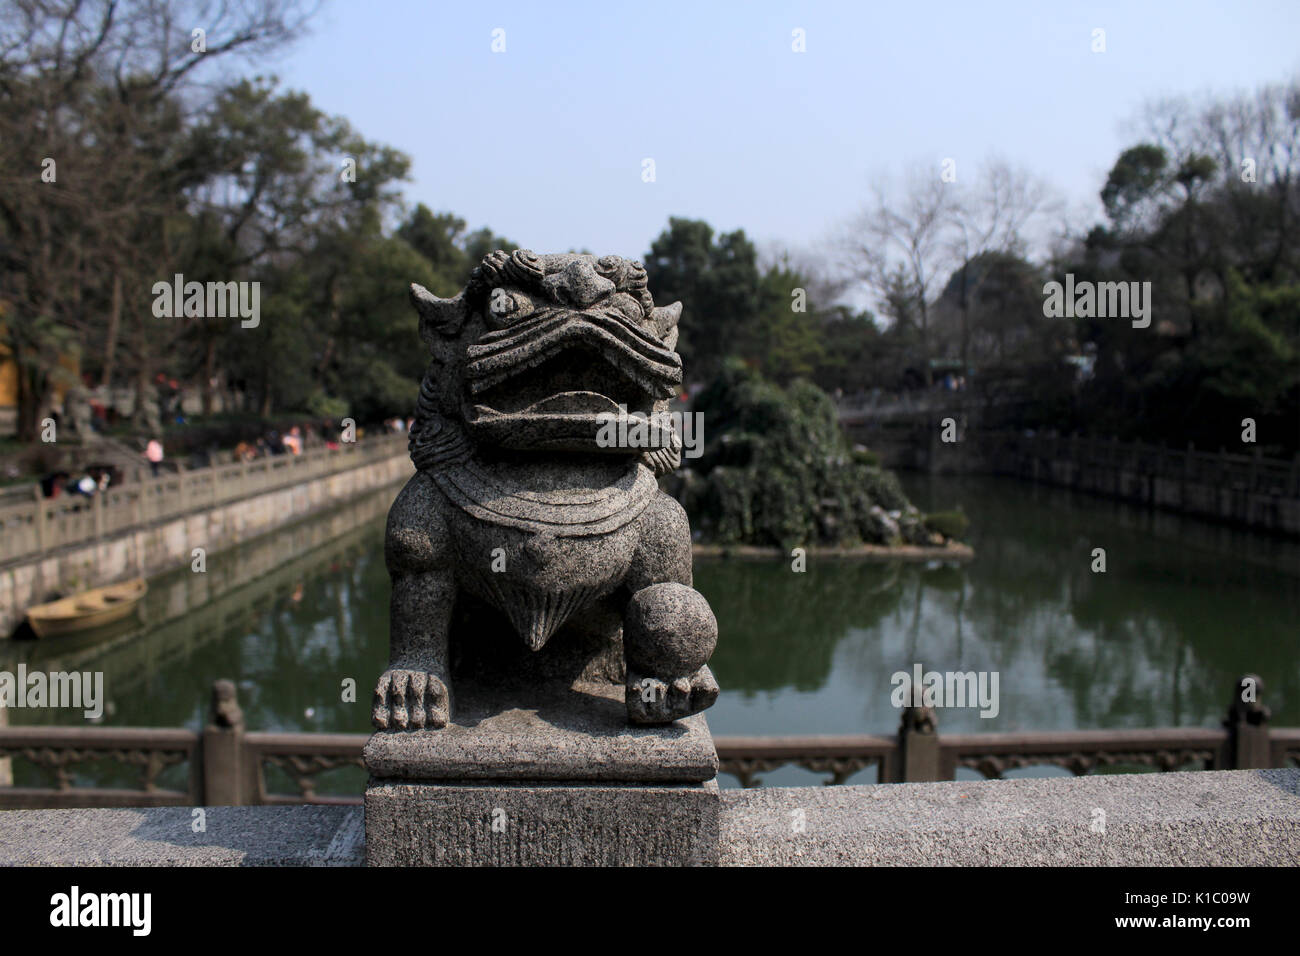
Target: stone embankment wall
point(1247, 490)
point(154, 547)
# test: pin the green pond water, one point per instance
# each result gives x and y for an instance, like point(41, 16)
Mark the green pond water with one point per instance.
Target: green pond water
point(1183, 608)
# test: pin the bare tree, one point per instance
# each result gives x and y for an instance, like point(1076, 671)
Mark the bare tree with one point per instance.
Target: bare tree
point(825, 286)
point(1253, 141)
point(909, 240)
point(899, 245)
point(993, 216)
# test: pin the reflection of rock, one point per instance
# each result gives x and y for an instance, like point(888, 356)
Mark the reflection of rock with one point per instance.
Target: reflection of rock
point(194, 621)
point(782, 629)
point(944, 577)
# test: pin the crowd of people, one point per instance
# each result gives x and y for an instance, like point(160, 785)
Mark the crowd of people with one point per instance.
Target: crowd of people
point(94, 480)
point(295, 440)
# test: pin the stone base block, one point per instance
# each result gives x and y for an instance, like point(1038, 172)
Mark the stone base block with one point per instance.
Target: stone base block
point(566, 735)
point(541, 824)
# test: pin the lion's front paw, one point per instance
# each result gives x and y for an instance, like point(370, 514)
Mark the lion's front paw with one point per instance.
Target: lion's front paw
point(654, 701)
point(410, 698)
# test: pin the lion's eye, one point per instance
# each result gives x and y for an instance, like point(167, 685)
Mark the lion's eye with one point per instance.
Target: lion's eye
point(624, 304)
point(505, 306)
point(503, 303)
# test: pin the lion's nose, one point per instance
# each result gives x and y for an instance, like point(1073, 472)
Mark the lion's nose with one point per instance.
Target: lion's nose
point(578, 284)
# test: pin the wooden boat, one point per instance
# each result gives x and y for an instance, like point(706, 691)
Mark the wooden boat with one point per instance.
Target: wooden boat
point(86, 610)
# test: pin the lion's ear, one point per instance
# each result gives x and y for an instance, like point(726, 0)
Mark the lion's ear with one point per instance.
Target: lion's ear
point(438, 316)
point(665, 319)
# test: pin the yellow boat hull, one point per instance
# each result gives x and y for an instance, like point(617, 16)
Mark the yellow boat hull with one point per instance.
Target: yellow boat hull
point(87, 610)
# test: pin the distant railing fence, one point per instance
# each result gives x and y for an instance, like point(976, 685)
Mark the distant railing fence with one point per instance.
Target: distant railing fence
point(1021, 454)
point(40, 525)
point(1242, 487)
point(227, 765)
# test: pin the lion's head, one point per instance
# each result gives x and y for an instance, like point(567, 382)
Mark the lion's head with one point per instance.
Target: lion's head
point(537, 352)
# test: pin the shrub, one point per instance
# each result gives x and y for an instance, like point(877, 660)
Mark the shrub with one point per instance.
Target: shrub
point(778, 471)
point(950, 524)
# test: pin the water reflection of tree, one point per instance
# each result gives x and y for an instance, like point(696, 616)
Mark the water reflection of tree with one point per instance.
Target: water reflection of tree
point(1143, 643)
point(309, 646)
point(1163, 623)
point(779, 628)
point(286, 655)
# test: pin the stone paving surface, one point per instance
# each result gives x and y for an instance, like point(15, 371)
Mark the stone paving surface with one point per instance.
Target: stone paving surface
point(1224, 818)
point(1211, 818)
point(165, 836)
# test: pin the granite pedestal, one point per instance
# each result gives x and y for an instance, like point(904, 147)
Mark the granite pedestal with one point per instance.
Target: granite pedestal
point(543, 776)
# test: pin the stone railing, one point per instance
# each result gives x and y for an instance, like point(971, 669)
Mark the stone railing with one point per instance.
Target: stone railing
point(61, 750)
point(904, 405)
point(40, 525)
point(228, 766)
point(914, 758)
point(1221, 469)
point(919, 407)
point(1247, 490)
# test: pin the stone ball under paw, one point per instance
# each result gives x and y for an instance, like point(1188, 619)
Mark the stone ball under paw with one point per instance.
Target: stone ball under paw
point(668, 631)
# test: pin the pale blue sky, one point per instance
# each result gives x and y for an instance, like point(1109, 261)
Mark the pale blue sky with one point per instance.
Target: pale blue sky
point(545, 141)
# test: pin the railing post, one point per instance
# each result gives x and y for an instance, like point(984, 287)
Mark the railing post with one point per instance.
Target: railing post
point(40, 519)
point(6, 763)
point(1247, 724)
point(223, 739)
point(918, 746)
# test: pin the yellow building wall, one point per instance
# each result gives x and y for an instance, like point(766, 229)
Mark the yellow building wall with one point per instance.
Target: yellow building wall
point(9, 375)
point(8, 378)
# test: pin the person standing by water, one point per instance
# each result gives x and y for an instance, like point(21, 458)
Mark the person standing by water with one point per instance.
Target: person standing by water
point(154, 453)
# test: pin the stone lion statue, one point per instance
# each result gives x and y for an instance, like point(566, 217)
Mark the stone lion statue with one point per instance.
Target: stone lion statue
point(527, 550)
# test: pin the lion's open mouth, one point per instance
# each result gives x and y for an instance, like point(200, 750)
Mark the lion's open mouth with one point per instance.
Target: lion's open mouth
point(553, 381)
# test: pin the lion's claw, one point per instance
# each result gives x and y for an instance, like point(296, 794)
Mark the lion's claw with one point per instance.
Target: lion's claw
point(654, 701)
point(410, 698)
